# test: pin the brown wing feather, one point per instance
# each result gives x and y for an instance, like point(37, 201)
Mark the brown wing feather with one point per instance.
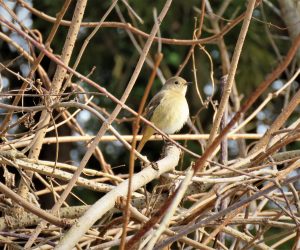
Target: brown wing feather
point(147, 131)
point(155, 101)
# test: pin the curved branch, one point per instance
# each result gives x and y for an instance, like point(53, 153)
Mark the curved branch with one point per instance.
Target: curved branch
point(181, 42)
point(28, 219)
point(31, 208)
point(107, 202)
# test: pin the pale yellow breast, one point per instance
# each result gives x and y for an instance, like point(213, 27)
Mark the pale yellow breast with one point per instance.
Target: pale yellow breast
point(172, 112)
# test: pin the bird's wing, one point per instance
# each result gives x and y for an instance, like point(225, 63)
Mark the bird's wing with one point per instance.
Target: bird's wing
point(147, 131)
point(155, 101)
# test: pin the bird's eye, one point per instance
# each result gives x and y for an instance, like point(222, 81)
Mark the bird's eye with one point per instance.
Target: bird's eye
point(176, 82)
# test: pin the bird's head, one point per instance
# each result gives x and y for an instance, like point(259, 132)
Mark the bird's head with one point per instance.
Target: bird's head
point(177, 84)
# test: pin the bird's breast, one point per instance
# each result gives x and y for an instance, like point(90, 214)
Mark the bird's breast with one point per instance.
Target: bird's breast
point(172, 113)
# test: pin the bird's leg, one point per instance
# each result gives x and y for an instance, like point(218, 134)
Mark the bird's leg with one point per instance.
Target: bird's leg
point(167, 144)
point(144, 164)
point(154, 165)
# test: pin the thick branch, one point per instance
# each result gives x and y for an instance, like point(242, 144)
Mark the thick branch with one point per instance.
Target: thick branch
point(97, 210)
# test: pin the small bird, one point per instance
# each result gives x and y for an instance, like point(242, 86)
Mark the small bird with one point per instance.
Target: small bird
point(168, 109)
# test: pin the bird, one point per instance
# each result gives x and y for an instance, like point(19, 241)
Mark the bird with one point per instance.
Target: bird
point(168, 110)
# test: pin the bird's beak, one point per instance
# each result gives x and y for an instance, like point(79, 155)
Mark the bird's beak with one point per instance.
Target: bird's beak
point(188, 83)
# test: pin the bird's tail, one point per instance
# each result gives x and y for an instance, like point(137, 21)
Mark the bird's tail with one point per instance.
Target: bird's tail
point(146, 135)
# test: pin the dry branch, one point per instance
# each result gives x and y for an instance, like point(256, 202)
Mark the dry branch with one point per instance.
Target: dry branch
point(98, 209)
